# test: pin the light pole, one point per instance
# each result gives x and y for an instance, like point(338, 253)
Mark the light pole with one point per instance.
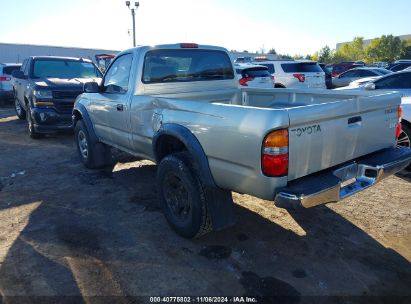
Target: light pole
point(133, 15)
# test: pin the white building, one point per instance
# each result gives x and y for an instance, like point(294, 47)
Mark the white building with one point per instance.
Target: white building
point(16, 53)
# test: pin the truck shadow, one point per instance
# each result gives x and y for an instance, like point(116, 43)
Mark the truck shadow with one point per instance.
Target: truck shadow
point(107, 236)
point(405, 175)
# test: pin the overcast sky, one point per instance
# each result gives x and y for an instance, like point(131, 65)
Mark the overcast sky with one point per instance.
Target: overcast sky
point(293, 27)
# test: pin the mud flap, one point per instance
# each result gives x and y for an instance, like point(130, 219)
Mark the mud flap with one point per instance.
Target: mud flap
point(220, 208)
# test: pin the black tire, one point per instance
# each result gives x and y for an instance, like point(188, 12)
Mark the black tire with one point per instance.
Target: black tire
point(182, 196)
point(32, 132)
point(93, 154)
point(279, 86)
point(404, 139)
point(20, 112)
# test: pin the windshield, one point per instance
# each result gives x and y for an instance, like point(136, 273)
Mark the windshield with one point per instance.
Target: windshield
point(10, 68)
point(65, 69)
point(256, 72)
point(186, 65)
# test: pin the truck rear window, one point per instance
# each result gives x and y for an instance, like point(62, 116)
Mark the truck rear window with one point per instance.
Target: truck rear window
point(301, 67)
point(163, 66)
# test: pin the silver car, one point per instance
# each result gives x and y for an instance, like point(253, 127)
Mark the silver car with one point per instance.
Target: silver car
point(344, 79)
point(6, 87)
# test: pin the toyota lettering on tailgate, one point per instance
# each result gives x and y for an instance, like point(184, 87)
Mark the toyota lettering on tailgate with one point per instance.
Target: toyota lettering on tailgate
point(309, 130)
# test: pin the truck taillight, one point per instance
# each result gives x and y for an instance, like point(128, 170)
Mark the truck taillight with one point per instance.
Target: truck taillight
point(274, 156)
point(5, 78)
point(399, 129)
point(189, 45)
point(300, 77)
point(243, 81)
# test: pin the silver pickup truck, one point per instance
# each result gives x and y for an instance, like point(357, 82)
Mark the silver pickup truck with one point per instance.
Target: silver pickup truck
point(180, 106)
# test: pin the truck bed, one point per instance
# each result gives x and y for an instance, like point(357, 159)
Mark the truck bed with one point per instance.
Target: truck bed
point(326, 128)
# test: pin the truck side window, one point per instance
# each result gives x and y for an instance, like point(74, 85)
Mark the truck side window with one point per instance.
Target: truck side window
point(117, 78)
point(25, 67)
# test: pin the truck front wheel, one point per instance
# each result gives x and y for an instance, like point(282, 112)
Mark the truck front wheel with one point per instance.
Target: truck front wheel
point(30, 125)
point(92, 154)
point(182, 196)
point(20, 112)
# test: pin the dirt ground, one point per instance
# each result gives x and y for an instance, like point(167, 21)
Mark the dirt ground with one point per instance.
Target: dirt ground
point(69, 231)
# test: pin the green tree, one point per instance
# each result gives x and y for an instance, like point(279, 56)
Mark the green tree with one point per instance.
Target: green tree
point(406, 49)
point(272, 51)
point(285, 56)
point(325, 55)
point(356, 49)
point(386, 48)
point(315, 57)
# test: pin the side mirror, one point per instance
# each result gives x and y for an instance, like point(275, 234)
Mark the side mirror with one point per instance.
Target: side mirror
point(370, 86)
point(18, 74)
point(91, 87)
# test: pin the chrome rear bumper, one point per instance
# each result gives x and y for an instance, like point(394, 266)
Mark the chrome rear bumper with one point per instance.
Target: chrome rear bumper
point(337, 183)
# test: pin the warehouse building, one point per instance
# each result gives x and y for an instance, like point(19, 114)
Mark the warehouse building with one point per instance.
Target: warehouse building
point(16, 53)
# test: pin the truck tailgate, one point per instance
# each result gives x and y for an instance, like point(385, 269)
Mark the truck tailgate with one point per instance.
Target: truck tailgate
point(327, 134)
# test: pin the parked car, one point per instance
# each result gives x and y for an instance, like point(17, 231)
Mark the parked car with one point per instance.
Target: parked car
point(6, 87)
point(183, 109)
point(46, 88)
point(328, 77)
point(399, 81)
point(400, 66)
point(341, 67)
point(246, 59)
point(359, 82)
point(254, 76)
point(344, 79)
point(295, 74)
point(380, 64)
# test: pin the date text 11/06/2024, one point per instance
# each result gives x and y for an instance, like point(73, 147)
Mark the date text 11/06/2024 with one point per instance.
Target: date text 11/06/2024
point(203, 300)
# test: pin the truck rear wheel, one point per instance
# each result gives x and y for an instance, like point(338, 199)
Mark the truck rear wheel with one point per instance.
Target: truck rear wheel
point(92, 154)
point(182, 196)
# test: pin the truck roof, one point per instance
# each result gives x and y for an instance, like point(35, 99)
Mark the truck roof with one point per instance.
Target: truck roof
point(60, 58)
point(192, 46)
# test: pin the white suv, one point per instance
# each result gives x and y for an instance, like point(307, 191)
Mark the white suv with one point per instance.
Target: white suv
point(299, 74)
point(6, 88)
point(254, 76)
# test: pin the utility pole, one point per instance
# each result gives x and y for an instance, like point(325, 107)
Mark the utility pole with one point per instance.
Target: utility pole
point(133, 15)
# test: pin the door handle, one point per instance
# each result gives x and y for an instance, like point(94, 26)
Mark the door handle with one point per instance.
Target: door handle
point(120, 107)
point(355, 119)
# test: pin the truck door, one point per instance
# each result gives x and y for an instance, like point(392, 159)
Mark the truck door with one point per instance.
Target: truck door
point(110, 108)
point(20, 84)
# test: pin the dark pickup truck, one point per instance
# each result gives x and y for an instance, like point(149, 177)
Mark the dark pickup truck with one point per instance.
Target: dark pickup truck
point(45, 89)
